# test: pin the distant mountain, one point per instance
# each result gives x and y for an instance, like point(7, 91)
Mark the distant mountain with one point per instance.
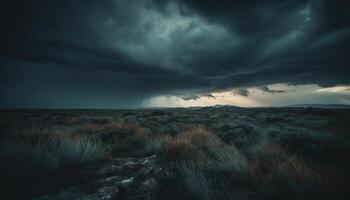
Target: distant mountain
point(321, 106)
point(226, 106)
point(219, 106)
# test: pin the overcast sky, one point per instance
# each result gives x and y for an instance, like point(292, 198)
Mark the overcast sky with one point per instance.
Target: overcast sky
point(121, 54)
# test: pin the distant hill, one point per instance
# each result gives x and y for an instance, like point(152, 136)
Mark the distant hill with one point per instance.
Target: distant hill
point(321, 106)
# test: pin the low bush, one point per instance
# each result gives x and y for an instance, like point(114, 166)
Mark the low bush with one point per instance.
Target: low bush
point(227, 158)
point(158, 113)
point(240, 134)
point(123, 137)
point(152, 145)
point(277, 172)
point(22, 160)
point(317, 145)
point(109, 132)
point(29, 163)
point(79, 151)
point(191, 144)
point(194, 179)
point(205, 165)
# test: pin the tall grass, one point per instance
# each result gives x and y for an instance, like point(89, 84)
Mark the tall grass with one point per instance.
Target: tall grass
point(19, 159)
point(278, 172)
point(315, 144)
point(203, 162)
point(124, 138)
point(79, 150)
point(191, 144)
point(227, 157)
point(29, 161)
point(209, 167)
point(194, 178)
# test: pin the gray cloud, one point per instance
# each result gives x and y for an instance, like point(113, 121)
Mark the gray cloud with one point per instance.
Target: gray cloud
point(267, 89)
point(194, 96)
point(242, 92)
point(117, 53)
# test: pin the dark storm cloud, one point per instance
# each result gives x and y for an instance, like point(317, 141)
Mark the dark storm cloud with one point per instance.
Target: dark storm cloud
point(242, 92)
point(267, 89)
point(194, 96)
point(117, 53)
point(292, 41)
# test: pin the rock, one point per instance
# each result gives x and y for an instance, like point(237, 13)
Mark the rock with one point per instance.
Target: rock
point(159, 172)
point(146, 161)
point(124, 187)
point(107, 170)
point(105, 192)
point(127, 181)
point(110, 179)
point(126, 184)
point(148, 184)
point(130, 166)
point(149, 160)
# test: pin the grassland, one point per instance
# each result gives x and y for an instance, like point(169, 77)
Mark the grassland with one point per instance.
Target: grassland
point(195, 153)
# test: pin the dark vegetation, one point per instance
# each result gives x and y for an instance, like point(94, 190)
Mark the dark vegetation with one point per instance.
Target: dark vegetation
point(207, 153)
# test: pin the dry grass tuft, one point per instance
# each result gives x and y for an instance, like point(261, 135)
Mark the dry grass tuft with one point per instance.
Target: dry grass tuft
point(273, 166)
point(191, 144)
point(111, 131)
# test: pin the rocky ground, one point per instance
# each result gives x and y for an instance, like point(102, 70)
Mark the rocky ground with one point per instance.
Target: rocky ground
point(121, 178)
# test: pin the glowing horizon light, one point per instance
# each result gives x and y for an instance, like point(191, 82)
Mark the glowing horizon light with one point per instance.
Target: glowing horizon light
point(256, 97)
point(336, 89)
point(219, 98)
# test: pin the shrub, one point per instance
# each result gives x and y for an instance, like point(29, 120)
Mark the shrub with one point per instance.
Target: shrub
point(123, 137)
point(152, 145)
point(204, 164)
point(158, 113)
point(79, 150)
point(23, 166)
point(18, 159)
point(227, 158)
point(101, 120)
point(321, 146)
point(271, 167)
point(180, 148)
point(191, 144)
point(210, 177)
point(240, 134)
point(110, 132)
point(35, 161)
point(194, 179)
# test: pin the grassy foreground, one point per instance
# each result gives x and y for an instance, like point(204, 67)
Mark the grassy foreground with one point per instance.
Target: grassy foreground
point(207, 153)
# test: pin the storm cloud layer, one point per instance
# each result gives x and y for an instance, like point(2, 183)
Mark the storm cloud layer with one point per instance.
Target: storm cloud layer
point(117, 53)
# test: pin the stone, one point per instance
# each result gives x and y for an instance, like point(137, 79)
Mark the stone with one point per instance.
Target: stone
point(124, 187)
point(148, 184)
point(110, 179)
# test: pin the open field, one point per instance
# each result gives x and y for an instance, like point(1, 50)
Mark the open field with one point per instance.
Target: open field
point(195, 153)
